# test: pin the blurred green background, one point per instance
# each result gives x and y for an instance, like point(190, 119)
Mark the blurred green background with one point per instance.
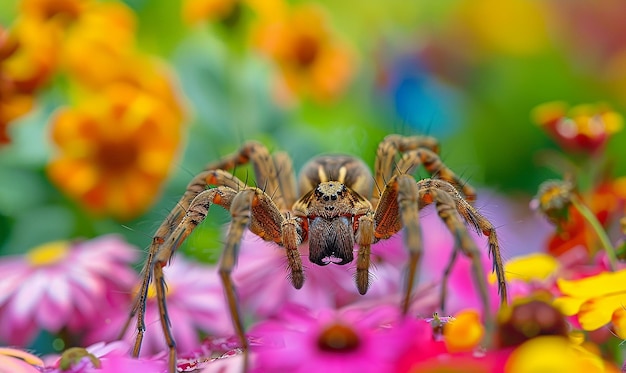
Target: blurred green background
point(468, 72)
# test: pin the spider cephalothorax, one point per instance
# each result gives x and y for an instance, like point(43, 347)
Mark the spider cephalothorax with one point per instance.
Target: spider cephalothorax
point(338, 209)
point(331, 208)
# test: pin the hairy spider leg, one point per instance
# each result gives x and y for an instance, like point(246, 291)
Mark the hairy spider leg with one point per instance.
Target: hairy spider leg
point(386, 154)
point(448, 212)
point(286, 178)
point(399, 207)
point(265, 170)
point(197, 211)
point(250, 208)
point(215, 174)
point(480, 225)
point(195, 186)
point(436, 168)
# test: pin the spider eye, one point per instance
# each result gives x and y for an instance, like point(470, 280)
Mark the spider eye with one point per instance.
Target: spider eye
point(326, 198)
point(333, 197)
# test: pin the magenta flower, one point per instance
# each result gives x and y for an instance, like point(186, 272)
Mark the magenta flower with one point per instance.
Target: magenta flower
point(195, 302)
point(62, 285)
point(263, 286)
point(331, 341)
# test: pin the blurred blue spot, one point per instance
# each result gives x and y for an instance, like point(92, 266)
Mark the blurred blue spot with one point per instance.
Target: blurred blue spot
point(422, 101)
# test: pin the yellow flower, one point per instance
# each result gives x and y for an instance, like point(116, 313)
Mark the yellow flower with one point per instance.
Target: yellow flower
point(195, 11)
point(115, 150)
point(464, 332)
point(514, 27)
point(311, 60)
point(555, 354)
point(530, 267)
point(596, 300)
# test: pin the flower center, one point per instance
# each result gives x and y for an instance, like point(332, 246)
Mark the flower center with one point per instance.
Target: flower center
point(306, 51)
point(338, 338)
point(116, 156)
point(48, 254)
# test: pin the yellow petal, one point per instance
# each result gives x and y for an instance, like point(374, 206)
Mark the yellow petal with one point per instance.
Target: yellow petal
point(594, 286)
point(598, 312)
point(537, 266)
point(569, 306)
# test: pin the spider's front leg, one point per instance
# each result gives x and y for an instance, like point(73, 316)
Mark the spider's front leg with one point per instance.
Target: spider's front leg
point(196, 186)
point(398, 207)
point(251, 209)
point(196, 213)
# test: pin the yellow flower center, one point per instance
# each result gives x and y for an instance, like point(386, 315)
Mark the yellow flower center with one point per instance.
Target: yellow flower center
point(48, 254)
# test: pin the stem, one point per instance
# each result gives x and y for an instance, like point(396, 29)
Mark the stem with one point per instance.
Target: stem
point(597, 227)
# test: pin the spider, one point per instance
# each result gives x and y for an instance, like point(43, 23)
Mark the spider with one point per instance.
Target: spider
point(337, 210)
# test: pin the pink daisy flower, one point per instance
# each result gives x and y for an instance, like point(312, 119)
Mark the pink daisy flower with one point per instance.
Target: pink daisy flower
point(105, 358)
point(345, 341)
point(195, 302)
point(62, 285)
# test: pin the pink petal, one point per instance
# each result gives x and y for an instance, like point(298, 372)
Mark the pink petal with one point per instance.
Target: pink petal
point(82, 278)
point(49, 316)
point(28, 295)
point(10, 282)
point(61, 294)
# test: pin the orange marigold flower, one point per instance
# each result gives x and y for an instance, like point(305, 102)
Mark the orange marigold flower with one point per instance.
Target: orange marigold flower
point(311, 59)
point(96, 58)
point(582, 128)
point(33, 61)
point(195, 11)
point(115, 150)
point(596, 300)
point(22, 71)
point(63, 11)
point(99, 46)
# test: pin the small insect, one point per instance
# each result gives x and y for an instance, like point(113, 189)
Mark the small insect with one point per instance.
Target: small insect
point(337, 205)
